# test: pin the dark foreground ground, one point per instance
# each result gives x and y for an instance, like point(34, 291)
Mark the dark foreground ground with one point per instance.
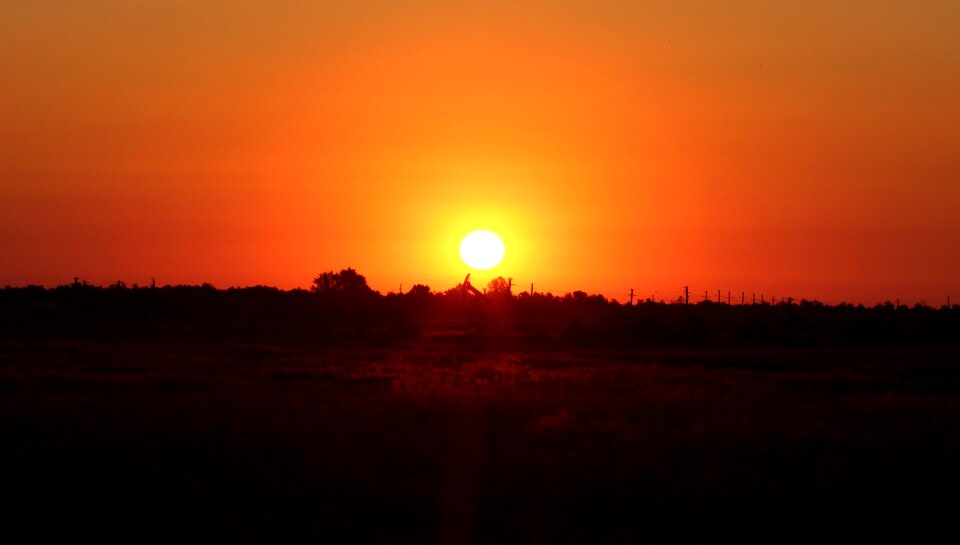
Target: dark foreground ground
point(464, 439)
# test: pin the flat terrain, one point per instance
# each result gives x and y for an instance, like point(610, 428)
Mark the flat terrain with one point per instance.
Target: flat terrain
point(464, 439)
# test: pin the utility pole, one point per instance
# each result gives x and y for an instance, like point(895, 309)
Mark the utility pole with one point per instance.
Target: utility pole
point(510, 286)
point(761, 298)
point(686, 295)
point(401, 288)
point(728, 297)
point(742, 298)
point(898, 303)
point(754, 299)
point(948, 301)
point(706, 295)
point(718, 296)
point(631, 297)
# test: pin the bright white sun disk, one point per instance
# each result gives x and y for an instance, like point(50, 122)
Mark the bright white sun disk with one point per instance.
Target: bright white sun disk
point(482, 250)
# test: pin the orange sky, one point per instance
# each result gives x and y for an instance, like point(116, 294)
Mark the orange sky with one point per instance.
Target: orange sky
point(809, 149)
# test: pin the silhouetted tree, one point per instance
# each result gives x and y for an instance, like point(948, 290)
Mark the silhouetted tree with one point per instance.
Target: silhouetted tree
point(347, 281)
point(498, 286)
point(419, 290)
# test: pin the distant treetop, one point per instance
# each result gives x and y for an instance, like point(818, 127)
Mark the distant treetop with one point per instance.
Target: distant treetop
point(347, 281)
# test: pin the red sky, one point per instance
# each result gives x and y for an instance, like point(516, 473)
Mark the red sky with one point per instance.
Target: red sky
point(805, 149)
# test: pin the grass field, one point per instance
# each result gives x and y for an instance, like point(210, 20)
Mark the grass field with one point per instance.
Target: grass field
point(464, 439)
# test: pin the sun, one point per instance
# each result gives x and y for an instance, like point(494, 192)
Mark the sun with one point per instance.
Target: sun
point(482, 250)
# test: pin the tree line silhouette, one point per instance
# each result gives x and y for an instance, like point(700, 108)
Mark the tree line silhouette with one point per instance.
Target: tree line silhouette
point(342, 306)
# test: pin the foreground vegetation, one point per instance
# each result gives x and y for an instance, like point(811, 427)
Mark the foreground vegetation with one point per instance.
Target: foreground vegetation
point(249, 416)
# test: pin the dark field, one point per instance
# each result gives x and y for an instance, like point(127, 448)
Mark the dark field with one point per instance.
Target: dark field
point(465, 439)
point(189, 414)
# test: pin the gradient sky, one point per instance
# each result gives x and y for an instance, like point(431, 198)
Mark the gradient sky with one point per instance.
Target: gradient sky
point(805, 149)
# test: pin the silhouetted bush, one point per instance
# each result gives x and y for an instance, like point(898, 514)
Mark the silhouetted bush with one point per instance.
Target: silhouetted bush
point(348, 281)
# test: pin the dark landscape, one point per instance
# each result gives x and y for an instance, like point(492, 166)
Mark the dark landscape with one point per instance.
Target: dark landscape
point(530, 272)
point(339, 415)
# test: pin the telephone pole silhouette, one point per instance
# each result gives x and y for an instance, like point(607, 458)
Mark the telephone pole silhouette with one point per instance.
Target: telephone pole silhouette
point(631, 297)
point(686, 295)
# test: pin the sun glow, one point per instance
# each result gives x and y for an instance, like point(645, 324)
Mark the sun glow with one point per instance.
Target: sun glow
point(482, 250)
